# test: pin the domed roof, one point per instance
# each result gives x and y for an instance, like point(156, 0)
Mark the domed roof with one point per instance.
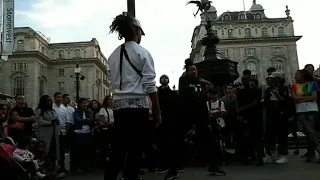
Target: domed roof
point(256, 7)
point(212, 9)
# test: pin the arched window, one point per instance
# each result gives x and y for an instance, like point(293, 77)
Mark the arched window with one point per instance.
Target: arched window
point(230, 33)
point(41, 87)
point(264, 31)
point(281, 31)
point(247, 32)
point(61, 54)
point(278, 63)
point(20, 46)
point(77, 53)
point(19, 85)
point(252, 67)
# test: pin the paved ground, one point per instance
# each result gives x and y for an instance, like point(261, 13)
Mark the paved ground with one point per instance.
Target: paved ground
point(296, 169)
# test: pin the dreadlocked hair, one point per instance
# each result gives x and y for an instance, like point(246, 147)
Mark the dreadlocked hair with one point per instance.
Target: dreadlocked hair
point(187, 63)
point(123, 24)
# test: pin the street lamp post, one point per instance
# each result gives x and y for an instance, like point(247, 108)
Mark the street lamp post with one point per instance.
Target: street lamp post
point(131, 5)
point(78, 77)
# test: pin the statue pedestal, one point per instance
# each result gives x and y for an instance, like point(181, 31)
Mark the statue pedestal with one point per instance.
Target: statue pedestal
point(219, 72)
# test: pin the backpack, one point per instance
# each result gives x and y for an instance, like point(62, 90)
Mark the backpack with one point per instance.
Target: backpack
point(218, 121)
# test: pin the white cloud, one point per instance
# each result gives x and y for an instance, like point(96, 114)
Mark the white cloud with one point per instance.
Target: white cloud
point(168, 25)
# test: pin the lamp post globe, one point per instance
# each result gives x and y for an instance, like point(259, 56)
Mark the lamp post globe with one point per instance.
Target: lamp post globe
point(77, 69)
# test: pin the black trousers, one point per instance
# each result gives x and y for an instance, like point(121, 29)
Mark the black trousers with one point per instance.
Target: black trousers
point(128, 143)
point(63, 142)
point(206, 141)
point(249, 137)
point(170, 146)
point(151, 147)
point(82, 152)
point(276, 130)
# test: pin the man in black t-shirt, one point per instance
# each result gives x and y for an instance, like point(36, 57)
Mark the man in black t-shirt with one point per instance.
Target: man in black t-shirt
point(26, 114)
point(249, 135)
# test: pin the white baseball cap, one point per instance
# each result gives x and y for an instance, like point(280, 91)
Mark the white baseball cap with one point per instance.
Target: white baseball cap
point(138, 25)
point(276, 75)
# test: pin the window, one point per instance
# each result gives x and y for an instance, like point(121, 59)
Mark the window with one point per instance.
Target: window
point(61, 54)
point(264, 31)
point(42, 50)
point(42, 69)
point(226, 17)
point(247, 32)
point(258, 16)
point(41, 87)
point(250, 52)
point(61, 72)
point(278, 64)
point(20, 46)
point(281, 31)
point(215, 32)
point(277, 50)
point(230, 33)
point(242, 17)
point(77, 53)
point(252, 67)
point(224, 53)
point(0, 68)
point(19, 85)
point(19, 66)
point(61, 86)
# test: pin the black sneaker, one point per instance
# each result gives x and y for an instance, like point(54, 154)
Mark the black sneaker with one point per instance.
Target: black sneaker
point(259, 162)
point(162, 170)
point(216, 171)
point(171, 175)
point(141, 172)
point(310, 158)
point(307, 154)
point(180, 170)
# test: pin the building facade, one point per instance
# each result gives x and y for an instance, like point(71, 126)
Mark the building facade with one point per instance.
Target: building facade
point(252, 39)
point(38, 67)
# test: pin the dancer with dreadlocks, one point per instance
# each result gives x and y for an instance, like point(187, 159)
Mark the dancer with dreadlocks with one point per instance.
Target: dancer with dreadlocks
point(133, 80)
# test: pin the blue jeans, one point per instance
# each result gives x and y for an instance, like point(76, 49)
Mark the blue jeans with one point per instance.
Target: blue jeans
point(309, 122)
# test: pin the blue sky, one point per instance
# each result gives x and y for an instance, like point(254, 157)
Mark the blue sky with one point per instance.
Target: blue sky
point(168, 24)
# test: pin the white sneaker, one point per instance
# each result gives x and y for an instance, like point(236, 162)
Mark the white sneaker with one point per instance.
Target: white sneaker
point(61, 175)
point(282, 160)
point(267, 159)
point(40, 175)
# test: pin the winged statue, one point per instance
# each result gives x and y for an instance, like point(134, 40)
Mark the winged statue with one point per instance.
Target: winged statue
point(203, 5)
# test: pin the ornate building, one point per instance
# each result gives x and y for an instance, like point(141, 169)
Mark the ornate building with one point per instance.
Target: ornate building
point(38, 67)
point(252, 39)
